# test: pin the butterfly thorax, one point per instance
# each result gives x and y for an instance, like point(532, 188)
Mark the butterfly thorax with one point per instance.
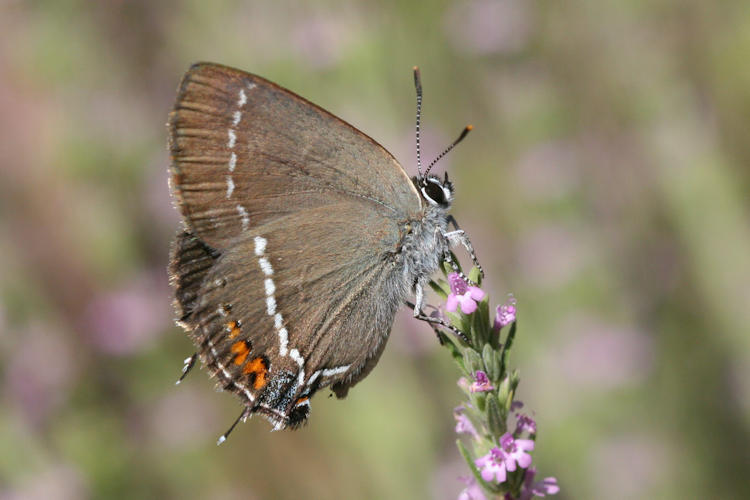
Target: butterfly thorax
point(423, 245)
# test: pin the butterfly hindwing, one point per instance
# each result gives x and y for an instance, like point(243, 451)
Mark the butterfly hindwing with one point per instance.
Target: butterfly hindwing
point(190, 260)
point(293, 306)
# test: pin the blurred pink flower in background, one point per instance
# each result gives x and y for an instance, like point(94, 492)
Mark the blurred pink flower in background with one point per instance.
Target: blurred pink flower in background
point(40, 370)
point(411, 336)
point(182, 417)
point(128, 319)
point(59, 481)
point(550, 255)
point(588, 357)
point(604, 356)
point(548, 171)
point(432, 141)
point(488, 26)
point(321, 39)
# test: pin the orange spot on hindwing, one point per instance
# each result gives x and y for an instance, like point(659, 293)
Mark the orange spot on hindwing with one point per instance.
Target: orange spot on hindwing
point(299, 413)
point(233, 328)
point(257, 368)
point(240, 349)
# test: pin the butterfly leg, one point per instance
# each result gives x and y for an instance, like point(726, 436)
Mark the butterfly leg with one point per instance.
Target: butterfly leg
point(419, 314)
point(448, 257)
point(189, 363)
point(459, 236)
point(435, 329)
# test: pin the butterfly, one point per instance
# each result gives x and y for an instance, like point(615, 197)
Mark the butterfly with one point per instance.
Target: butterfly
point(301, 238)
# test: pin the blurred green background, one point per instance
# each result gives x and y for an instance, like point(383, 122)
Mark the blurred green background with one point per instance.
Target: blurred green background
point(605, 185)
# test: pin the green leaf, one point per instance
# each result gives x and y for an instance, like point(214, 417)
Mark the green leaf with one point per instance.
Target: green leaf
point(484, 316)
point(472, 361)
point(495, 416)
point(475, 276)
point(476, 334)
point(515, 378)
point(441, 288)
point(462, 322)
point(491, 367)
point(479, 400)
point(455, 351)
point(499, 363)
point(447, 268)
point(509, 400)
point(504, 391)
point(508, 344)
point(480, 333)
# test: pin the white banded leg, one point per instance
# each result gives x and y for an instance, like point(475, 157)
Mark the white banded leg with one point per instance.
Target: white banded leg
point(459, 236)
point(434, 328)
point(447, 257)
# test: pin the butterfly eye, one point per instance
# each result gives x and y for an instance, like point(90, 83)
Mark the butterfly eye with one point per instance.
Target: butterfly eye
point(435, 193)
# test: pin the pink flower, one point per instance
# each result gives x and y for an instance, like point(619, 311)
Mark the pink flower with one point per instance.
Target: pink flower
point(464, 384)
point(462, 294)
point(481, 382)
point(492, 465)
point(547, 486)
point(472, 491)
point(506, 313)
point(524, 423)
point(515, 451)
point(463, 423)
point(496, 464)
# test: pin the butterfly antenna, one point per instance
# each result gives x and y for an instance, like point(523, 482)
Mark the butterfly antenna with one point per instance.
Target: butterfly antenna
point(418, 86)
point(461, 137)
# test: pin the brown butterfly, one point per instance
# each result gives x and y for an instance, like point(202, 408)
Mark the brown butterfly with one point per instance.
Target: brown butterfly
point(302, 236)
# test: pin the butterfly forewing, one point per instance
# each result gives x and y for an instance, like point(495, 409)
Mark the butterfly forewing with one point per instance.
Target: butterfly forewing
point(246, 151)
